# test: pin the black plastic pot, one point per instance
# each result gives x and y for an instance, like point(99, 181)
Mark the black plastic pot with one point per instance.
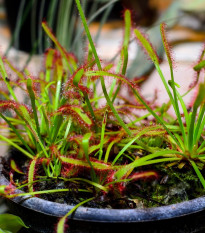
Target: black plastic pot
point(42, 216)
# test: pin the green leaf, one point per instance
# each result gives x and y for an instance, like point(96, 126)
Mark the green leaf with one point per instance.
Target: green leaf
point(98, 165)
point(11, 223)
point(68, 58)
point(77, 112)
point(78, 77)
point(61, 223)
point(31, 172)
point(200, 66)
point(199, 100)
point(119, 77)
point(17, 133)
point(76, 81)
point(109, 102)
point(196, 169)
point(82, 115)
point(147, 46)
point(200, 97)
point(139, 162)
point(124, 52)
point(15, 168)
point(10, 142)
point(144, 131)
point(85, 144)
point(32, 98)
point(102, 135)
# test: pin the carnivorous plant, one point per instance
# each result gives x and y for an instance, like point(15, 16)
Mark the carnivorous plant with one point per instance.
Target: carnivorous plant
point(85, 139)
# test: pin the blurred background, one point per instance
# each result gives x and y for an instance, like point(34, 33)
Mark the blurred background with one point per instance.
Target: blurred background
point(21, 33)
point(23, 41)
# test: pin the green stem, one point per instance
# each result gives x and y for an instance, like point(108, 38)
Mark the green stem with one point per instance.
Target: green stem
point(17, 134)
point(85, 144)
point(32, 98)
point(130, 143)
point(176, 107)
point(201, 178)
point(60, 226)
point(16, 146)
point(102, 135)
point(100, 68)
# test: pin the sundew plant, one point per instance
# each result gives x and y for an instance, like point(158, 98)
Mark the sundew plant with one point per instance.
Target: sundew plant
point(96, 142)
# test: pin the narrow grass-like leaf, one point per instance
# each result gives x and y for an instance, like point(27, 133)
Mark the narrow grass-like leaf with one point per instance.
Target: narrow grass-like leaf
point(50, 55)
point(61, 223)
point(200, 124)
point(127, 20)
point(68, 57)
point(100, 67)
point(108, 150)
point(156, 161)
point(166, 45)
point(17, 133)
point(85, 145)
point(124, 50)
point(31, 174)
point(196, 169)
point(125, 169)
point(77, 77)
point(97, 185)
point(199, 99)
point(10, 142)
point(152, 54)
point(39, 192)
point(32, 98)
point(144, 131)
point(59, 74)
point(169, 58)
point(147, 46)
point(76, 80)
point(104, 73)
point(77, 113)
point(102, 135)
point(186, 115)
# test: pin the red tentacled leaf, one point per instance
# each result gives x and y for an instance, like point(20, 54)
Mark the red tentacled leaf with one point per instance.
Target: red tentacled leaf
point(77, 113)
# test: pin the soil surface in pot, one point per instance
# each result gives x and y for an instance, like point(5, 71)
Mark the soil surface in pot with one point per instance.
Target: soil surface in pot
point(172, 185)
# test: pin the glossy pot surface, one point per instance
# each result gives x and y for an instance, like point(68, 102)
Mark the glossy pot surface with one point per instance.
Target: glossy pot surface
point(42, 216)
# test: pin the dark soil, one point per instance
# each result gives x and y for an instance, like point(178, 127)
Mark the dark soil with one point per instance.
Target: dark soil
point(173, 185)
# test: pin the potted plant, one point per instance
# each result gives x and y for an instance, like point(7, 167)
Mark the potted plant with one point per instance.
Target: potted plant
point(74, 146)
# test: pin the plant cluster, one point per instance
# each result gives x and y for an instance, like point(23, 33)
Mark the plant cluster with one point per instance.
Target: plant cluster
point(75, 130)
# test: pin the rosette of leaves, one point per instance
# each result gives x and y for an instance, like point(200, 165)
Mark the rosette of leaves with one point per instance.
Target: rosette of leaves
point(92, 138)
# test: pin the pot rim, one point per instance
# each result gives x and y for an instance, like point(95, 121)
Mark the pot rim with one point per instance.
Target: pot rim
point(109, 215)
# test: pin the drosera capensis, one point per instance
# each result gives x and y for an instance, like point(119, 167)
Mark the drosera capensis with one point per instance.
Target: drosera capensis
point(68, 136)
